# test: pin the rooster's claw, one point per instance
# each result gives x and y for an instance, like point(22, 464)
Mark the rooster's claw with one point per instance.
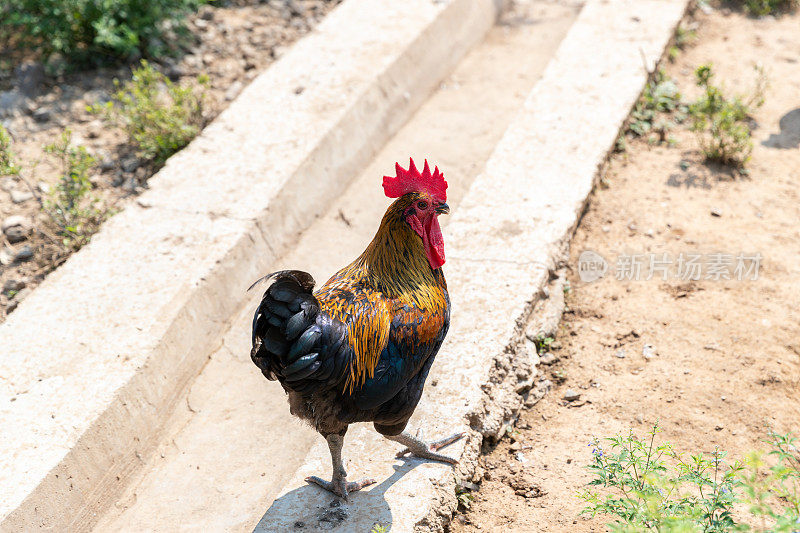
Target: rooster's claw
point(424, 450)
point(341, 487)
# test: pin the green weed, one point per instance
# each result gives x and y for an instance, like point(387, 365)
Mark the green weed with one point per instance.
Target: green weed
point(73, 214)
point(657, 111)
point(760, 8)
point(723, 122)
point(542, 343)
point(648, 486)
point(378, 528)
point(684, 36)
point(7, 165)
point(774, 498)
point(95, 31)
point(158, 116)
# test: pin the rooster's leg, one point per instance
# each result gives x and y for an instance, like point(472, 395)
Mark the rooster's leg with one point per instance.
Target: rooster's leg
point(426, 450)
point(338, 483)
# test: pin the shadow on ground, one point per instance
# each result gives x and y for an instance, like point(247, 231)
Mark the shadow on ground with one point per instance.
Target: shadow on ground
point(789, 136)
point(309, 508)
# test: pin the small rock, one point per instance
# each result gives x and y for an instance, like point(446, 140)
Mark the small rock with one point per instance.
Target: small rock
point(295, 8)
point(129, 164)
point(16, 228)
point(175, 71)
point(719, 427)
point(43, 187)
point(639, 418)
point(106, 162)
point(650, 233)
point(42, 114)
point(519, 456)
point(547, 358)
point(130, 185)
point(233, 90)
point(15, 220)
point(632, 226)
point(94, 129)
point(207, 13)
point(648, 351)
point(6, 256)
point(620, 353)
point(7, 184)
point(13, 285)
point(23, 254)
point(606, 228)
point(19, 197)
point(10, 101)
point(97, 96)
point(30, 74)
point(470, 486)
point(716, 212)
point(571, 395)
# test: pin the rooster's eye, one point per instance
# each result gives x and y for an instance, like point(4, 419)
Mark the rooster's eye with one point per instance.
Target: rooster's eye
point(422, 204)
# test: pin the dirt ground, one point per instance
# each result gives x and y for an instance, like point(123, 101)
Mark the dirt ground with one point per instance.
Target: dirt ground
point(724, 361)
point(231, 44)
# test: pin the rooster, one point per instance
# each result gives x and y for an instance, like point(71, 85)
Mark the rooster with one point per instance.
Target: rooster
point(360, 348)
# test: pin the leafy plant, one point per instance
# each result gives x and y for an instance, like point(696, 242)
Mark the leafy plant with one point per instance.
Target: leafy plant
point(654, 488)
point(159, 116)
point(760, 8)
point(723, 123)
point(93, 31)
point(658, 110)
point(378, 528)
point(774, 498)
point(648, 486)
point(7, 165)
point(542, 342)
point(464, 497)
point(684, 36)
point(72, 213)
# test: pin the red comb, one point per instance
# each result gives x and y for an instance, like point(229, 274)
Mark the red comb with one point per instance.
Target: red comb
point(412, 181)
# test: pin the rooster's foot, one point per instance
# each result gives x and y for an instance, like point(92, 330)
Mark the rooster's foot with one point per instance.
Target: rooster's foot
point(341, 487)
point(417, 447)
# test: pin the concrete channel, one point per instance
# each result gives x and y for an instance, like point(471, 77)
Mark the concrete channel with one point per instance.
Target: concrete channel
point(233, 445)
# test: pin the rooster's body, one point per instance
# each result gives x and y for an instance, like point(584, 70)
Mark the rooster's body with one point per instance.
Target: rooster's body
point(359, 349)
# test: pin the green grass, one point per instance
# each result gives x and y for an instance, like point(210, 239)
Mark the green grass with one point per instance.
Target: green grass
point(647, 485)
point(760, 8)
point(684, 36)
point(658, 110)
point(158, 116)
point(91, 32)
point(722, 122)
point(8, 167)
point(73, 214)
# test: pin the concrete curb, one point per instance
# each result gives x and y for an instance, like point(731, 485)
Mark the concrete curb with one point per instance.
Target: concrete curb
point(503, 243)
point(94, 360)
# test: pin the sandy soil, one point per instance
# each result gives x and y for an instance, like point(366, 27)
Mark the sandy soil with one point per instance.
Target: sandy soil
point(231, 45)
point(725, 363)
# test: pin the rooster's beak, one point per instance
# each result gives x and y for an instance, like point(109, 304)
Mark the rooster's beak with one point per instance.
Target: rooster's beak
point(443, 209)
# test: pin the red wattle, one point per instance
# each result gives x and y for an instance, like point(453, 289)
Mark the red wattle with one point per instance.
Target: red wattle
point(433, 242)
